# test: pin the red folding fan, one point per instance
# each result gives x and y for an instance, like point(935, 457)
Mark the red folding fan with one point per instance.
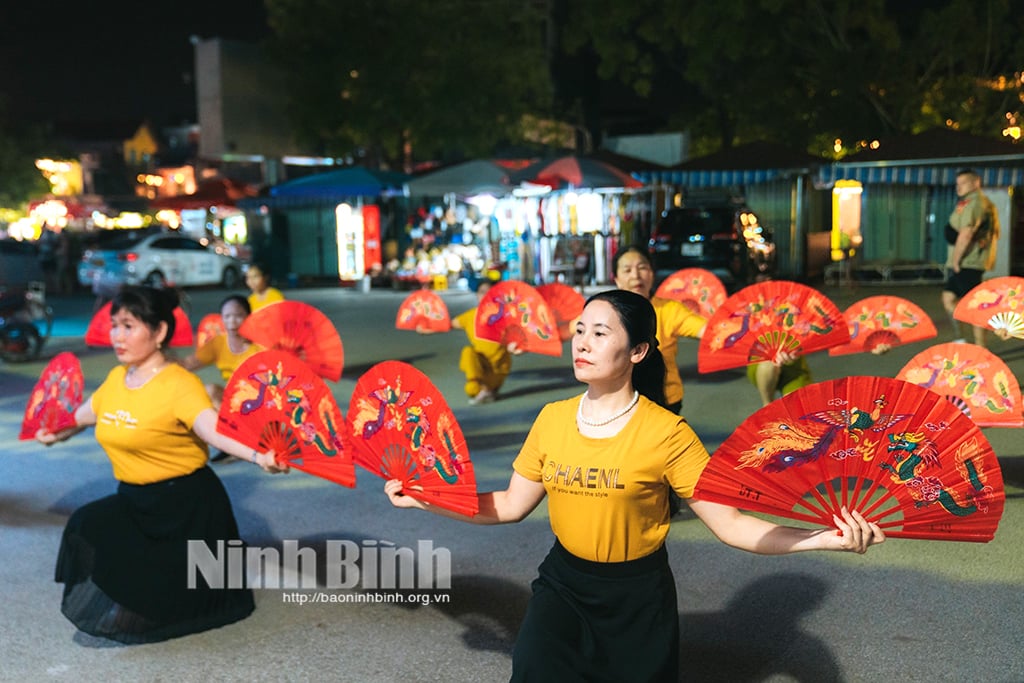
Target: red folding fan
point(402, 428)
point(209, 327)
point(903, 456)
point(300, 329)
point(514, 312)
point(698, 289)
point(423, 310)
point(55, 397)
point(971, 377)
point(889, 320)
point(758, 322)
point(98, 332)
point(566, 304)
point(997, 304)
point(276, 401)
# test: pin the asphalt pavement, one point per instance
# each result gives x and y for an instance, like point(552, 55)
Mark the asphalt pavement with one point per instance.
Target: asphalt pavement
point(906, 611)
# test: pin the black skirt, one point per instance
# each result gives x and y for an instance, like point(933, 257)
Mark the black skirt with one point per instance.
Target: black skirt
point(124, 566)
point(596, 621)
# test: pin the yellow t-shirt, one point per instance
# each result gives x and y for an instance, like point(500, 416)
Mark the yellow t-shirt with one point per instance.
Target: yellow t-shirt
point(217, 352)
point(270, 296)
point(496, 354)
point(147, 432)
point(674, 320)
point(608, 498)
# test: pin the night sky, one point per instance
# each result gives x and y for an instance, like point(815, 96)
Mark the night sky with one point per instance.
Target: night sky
point(111, 61)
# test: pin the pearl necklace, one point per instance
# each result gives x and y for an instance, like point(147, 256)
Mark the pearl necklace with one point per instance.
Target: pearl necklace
point(613, 418)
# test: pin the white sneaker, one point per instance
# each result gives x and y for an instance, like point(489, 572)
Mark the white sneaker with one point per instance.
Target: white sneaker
point(485, 396)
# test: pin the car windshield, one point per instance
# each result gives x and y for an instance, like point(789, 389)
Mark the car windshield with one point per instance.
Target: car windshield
point(696, 221)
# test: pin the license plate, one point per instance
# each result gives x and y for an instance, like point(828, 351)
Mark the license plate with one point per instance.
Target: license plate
point(693, 250)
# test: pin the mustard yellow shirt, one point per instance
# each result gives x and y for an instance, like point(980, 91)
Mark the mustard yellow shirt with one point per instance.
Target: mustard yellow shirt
point(270, 296)
point(147, 432)
point(608, 498)
point(674, 320)
point(496, 354)
point(218, 352)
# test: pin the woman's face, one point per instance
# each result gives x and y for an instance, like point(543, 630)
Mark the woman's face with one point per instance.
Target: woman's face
point(255, 280)
point(233, 315)
point(133, 341)
point(634, 274)
point(600, 345)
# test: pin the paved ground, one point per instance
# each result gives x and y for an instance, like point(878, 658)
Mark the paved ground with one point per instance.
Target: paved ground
point(907, 611)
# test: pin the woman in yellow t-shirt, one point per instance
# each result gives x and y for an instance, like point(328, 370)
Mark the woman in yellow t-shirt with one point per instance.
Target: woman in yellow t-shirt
point(257, 279)
point(123, 559)
point(226, 351)
point(606, 461)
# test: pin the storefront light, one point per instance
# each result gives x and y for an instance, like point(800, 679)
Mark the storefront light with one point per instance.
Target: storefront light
point(485, 202)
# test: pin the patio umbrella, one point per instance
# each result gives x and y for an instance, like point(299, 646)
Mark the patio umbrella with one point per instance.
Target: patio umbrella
point(468, 178)
point(575, 172)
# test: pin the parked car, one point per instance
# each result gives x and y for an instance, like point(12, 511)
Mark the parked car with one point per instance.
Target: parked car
point(722, 236)
point(158, 260)
point(19, 264)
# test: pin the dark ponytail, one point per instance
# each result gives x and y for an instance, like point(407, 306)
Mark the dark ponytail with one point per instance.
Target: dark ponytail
point(151, 306)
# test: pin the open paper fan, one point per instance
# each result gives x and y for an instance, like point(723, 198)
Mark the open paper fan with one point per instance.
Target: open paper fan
point(973, 378)
point(209, 327)
point(513, 311)
point(55, 397)
point(904, 457)
point(758, 322)
point(698, 289)
point(98, 332)
point(276, 401)
point(566, 304)
point(300, 329)
point(878, 320)
point(402, 428)
point(997, 304)
point(423, 310)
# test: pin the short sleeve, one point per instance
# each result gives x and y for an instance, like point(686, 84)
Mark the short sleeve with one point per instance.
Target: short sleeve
point(190, 400)
point(686, 323)
point(686, 461)
point(530, 461)
point(207, 353)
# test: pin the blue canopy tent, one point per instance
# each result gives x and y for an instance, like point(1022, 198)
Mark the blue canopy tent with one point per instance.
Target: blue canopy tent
point(337, 186)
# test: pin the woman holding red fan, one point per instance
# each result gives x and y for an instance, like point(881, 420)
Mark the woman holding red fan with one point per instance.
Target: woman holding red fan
point(226, 351)
point(604, 605)
point(123, 558)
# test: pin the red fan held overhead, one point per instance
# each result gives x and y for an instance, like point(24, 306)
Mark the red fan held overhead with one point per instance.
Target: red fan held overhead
point(971, 377)
point(514, 312)
point(997, 304)
point(276, 401)
point(98, 332)
point(903, 456)
point(402, 428)
point(566, 304)
point(884, 320)
point(300, 329)
point(423, 311)
point(209, 327)
point(761, 321)
point(55, 398)
point(698, 289)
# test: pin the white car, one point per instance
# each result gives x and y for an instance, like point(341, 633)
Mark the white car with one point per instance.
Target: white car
point(158, 260)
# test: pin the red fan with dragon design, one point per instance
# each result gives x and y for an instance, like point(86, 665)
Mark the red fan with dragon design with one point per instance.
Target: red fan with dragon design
point(300, 329)
point(761, 321)
point(98, 332)
point(402, 428)
point(565, 302)
point(888, 320)
point(423, 310)
point(997, 304)
point(276, 401)
point(903, 456)
point(55, 397)
point(514, 312)
point(698, 289)
point(971, 377)
point(209, 327)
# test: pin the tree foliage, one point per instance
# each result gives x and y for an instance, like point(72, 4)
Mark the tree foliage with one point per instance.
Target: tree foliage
point(20, 180)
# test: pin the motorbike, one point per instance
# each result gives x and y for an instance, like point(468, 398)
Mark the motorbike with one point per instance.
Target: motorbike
point(26, 322)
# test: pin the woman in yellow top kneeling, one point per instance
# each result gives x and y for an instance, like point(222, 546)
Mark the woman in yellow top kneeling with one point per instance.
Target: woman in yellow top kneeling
point(226, 351)
point(257, 279)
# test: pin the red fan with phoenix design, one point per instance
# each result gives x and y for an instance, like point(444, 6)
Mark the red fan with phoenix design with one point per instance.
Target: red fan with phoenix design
point(209, 327)
point(402, 428)
point(761, 321)
point(971, 377)
point(514, 312)
point(423, 310)
point(276, 401)
point(888, 320)
point(55, 397)
point(901, 455)
point(98, 332)
point(997, 304)
point(565, 302)
point(698, 289)
point(300, 329)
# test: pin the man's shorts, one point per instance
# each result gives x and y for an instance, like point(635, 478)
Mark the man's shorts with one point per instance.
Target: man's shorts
point(963, 282)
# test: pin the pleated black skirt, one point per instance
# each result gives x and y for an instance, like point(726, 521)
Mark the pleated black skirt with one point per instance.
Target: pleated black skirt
point(595, 621)
point(124, 566)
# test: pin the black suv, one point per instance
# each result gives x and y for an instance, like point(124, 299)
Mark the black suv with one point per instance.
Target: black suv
point(721, 236)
